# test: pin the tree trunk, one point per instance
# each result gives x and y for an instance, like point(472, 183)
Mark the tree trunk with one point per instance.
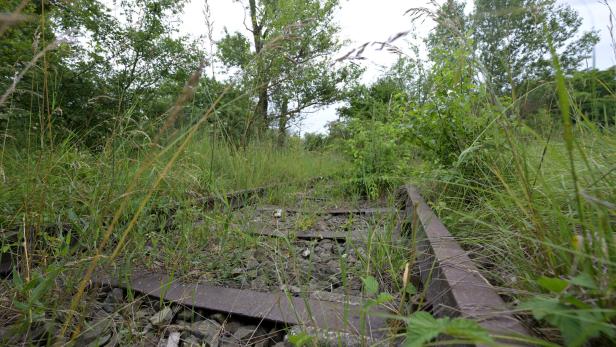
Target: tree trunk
point(262, 105)
point(262, 84)
point(282, 123)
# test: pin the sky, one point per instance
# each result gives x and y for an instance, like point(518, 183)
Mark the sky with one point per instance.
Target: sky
point(376, 20)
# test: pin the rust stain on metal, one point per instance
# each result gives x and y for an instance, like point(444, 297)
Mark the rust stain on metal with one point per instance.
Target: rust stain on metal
point(454, 285)
point(273, 306)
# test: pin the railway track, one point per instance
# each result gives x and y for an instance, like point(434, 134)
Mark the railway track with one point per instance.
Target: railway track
point(302, 270)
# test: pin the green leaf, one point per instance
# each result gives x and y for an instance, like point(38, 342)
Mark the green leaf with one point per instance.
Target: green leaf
point(584, 280)
point(23, 307)
point(383, 298)
point(410, 289)
point(41, 288)
point(468, 330)
point(18, 282)
point(301, 339)
point(540, 307)
point(421, 328)
point(570, 299)
point(72, 216)
point(554, 285)
point(371, 286)
point(576, 325)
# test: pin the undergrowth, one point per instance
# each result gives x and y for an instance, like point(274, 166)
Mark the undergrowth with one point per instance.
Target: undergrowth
point(531, 197)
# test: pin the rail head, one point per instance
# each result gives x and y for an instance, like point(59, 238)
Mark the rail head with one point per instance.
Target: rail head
point(455, 287)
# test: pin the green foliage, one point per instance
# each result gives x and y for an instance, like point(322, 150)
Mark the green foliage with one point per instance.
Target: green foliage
point(376, 134)
point(315, 141)
point(511, 43)
point(234, 50)
point(410, 289)
point(371, 285)
point(555, 285)
point(301, 339)
point(477, 124)
point(451, 27)
point(509, 187)
point(121, 76)
point(423, 328)
point(577, 321)
point(291, 67)
point(594, 93)
point(375, 298)
point(389, 125)
point(32, 295)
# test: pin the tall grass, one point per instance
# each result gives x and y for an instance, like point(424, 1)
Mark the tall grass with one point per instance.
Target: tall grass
point(539, 218)
point(68, 194)
point(537, 211)
point(66, 208)
point(52, 184)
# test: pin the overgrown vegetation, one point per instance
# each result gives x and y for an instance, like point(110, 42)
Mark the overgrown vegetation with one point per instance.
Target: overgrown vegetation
point(111, 140)
point(516, 151)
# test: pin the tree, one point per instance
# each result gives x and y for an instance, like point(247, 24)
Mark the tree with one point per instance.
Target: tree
point(143, 52)
point(288, 61)
point(110, 69)
point(511, 40)
point(451, 27)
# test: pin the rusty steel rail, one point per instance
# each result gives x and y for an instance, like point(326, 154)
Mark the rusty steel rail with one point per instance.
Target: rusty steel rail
point(454, 286)
point(272, 306)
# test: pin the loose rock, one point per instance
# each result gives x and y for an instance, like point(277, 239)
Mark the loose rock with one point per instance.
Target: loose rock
point(94, 331)
point(245, 332)
point(207, 330)
point(186, 315)
point(290, 289)
point(278, 213)
point(219, 317)
point(115, 297)
point(326, 338)
point(332, 267)
point(162, 317)
point(232, 326)
point(174, 339)
point(190, 341)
